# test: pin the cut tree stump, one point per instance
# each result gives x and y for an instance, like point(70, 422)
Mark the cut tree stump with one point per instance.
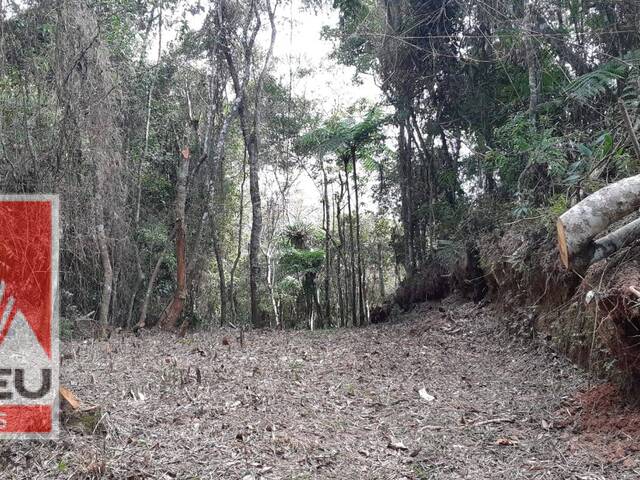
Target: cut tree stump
point(68, 399)
point(77, 416)
point(579, 225)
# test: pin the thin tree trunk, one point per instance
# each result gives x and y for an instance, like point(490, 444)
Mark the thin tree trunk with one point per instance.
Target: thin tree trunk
point(232, 274)
point(249, 122)
point(405, 173)
point(354, 313)
point(361, 287)
point(103, 247)
point(270, 284)
point(218, 198)
point(533, 63)
point(142, 321)
point(114, 287)
point(217, 251)
point(136, 289)
point(338, 263)
point(143, 157)
point(145, 151)
point(256, 230)
point(427, 161)
point(107, 275)
point(327, 255)
point(380, 273)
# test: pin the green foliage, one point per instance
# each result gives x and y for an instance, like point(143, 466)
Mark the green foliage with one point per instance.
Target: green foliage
point(289, 287)
point(558, 204)
point(520, 146)
point(295, 261)
point(154, 234)
point(299, 234)
point(603, 79)
point(353, 33)
point(341, 135)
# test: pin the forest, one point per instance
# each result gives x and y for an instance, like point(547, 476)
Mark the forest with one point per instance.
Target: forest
point(386, 239)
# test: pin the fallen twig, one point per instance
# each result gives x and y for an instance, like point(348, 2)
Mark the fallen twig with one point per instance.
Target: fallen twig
point(490, 421)
point(634, 290)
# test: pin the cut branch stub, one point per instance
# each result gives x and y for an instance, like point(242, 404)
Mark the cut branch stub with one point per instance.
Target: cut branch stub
point(579, 225)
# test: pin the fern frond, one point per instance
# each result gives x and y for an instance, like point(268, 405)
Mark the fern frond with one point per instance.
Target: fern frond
point(596, 83)
point(603, 78)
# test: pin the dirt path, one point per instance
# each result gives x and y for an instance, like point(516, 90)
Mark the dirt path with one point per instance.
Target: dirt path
point(337, 404)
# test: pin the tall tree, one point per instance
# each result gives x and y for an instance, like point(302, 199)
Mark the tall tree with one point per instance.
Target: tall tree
point(241, 55)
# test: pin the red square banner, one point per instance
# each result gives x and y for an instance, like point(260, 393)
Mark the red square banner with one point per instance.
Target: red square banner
point(29, 350)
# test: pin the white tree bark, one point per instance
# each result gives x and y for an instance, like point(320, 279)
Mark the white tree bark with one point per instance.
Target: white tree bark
point(579, 225)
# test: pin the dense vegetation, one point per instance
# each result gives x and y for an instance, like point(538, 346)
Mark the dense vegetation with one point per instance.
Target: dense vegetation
point(496, 116)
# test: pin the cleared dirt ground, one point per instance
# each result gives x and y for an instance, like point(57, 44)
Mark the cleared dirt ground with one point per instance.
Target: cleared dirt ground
point(440, 393)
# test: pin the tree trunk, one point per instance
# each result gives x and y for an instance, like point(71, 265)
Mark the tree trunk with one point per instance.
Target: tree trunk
point(327, 245)
point(256, 230)
point(171, 315)
point(107, 275)
point(232, 274)
point(352, 261)
point(142, 321)
point(103, 247)
point(271, 274)
point(216, 153)
point(145, 151)
point(428, 162)
point(217, 250)
point(139, 282)
point(361, 280)
point(339, 288)
point(381, 273)
point(406, 200)
point(579, 225)
point(533, 63)
point(249, 122)
point(611, 243)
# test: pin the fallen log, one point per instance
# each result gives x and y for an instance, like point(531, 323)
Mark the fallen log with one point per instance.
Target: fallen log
point(611, 243)
point(579, 225)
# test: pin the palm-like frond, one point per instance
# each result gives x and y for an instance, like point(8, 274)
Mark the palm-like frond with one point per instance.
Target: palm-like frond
point(603, 80)
point(596, 83)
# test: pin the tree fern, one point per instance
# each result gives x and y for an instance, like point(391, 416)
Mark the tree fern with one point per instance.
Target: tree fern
point(596, 83)
point(604, 79)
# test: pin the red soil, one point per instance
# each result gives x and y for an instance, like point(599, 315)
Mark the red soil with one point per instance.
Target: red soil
point(606, 424)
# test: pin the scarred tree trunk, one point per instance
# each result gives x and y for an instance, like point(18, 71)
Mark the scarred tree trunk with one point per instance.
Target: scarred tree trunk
point(171, 315)
point(579, 225)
